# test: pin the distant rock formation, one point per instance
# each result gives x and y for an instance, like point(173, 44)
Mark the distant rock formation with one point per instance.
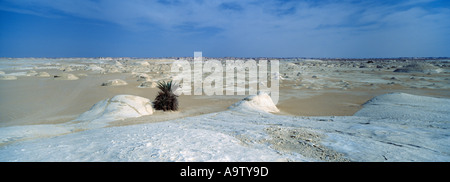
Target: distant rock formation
point(43, 74)
point(419, 68)
point(148, 84)
point(65, 76)
point(115, 82)
point(8, 77)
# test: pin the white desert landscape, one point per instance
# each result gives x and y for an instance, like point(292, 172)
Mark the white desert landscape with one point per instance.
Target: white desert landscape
point(333, 110)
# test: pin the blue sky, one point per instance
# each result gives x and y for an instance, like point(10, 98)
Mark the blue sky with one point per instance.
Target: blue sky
point(222, 28)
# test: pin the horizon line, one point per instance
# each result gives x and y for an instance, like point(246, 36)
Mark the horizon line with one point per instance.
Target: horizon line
point(245, 57)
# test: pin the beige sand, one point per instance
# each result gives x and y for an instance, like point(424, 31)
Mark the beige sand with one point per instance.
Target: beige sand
point(33, 100)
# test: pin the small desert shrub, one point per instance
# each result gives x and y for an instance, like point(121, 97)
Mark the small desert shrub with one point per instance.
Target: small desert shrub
point(166, 99)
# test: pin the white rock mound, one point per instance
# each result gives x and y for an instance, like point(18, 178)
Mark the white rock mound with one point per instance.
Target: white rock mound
point(261, 102)
point(113, 69)
point(8, 77)
point(142, 63)
point(32, 73)
point(143, 77)
point(419, 68)
point(148, 84)
point(118, 107)
point(43, 74)
point(118, 64)
point(94, 68)
point(65, 76)
point(115, 82)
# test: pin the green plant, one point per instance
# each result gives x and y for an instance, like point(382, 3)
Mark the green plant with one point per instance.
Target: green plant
point(166, 99)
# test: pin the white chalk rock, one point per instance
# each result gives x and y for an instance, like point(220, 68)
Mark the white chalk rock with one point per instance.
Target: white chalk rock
point(113, 69)
point(143, 77)
point(115, 82)
point(261, 102)
point(118, 107)
point(142, 63)
point(8, 77)
point(43, 74)
point(66, 69)
point(32, 73)
point(419, 68)
point(118, 64)
point(402, 106)
point(65, 76)
point(148, 84)
point(94, 68)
